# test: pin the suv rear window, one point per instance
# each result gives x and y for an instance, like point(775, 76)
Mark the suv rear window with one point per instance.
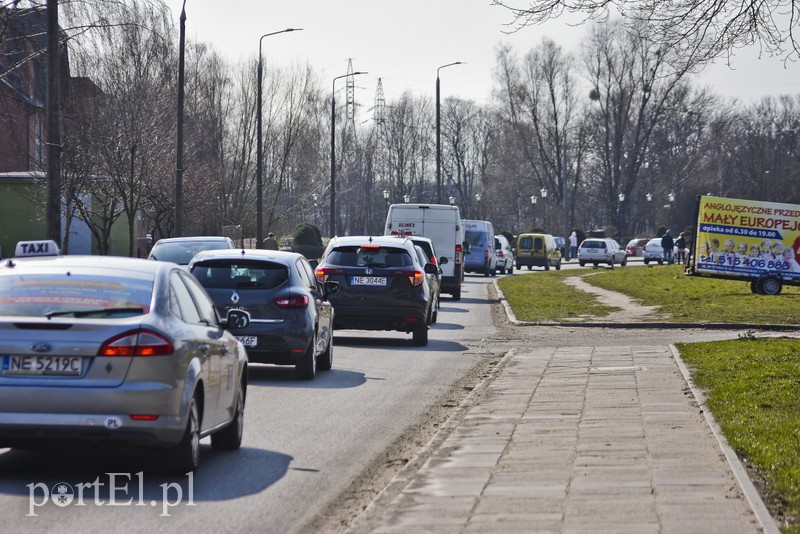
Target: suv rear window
point(376, 256)
point(240, 274)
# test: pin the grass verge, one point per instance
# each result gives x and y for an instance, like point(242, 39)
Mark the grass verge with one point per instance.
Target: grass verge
point(544, 297)
point(751, 386)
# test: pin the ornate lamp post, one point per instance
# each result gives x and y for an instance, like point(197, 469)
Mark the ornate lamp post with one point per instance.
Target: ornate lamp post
point(543, 192)
point(534, 200)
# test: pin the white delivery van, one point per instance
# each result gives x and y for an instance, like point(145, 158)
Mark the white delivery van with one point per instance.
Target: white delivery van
point(441, 224)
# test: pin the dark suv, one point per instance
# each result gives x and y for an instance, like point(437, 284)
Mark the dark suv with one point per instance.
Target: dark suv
point(381, 285)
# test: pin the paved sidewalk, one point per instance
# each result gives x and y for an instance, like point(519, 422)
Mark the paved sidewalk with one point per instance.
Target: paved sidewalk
point(576, 439)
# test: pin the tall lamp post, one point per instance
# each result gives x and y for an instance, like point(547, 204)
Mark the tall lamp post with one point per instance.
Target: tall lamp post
point(439, 135)
point(622, 214)
point(260, 149)
point(179, 151)
point(543, 192)
point(671, 198)
point(333, 149)
point(478, 200)
point(649, 197)
point(534, 200)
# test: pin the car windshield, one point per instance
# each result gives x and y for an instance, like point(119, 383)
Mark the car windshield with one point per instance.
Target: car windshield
point(52, 295)
point(370, 256)
point(240, 274)
point(181, 252)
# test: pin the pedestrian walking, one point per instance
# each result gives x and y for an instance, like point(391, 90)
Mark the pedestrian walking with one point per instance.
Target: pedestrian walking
point(680, 245)
point(573, 245)
point(270, 243)
point(667, 243)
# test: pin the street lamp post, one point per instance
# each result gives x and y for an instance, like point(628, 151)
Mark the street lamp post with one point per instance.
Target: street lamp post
point(315, 198)
point(622, 214)
point(478, 200)
point(543, 192)
point(333, 149)
point(439, 135)
point(671, 198)
point(534, 200)
point(260, 149)
point(649, 197)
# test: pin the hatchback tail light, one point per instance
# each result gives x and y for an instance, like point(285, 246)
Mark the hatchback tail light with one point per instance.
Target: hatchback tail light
point(414, 277)
point(292, 301)
point(322, 273)
point(137, 343)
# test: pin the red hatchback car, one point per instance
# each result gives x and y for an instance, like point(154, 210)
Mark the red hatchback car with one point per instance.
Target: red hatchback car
point(635, 247)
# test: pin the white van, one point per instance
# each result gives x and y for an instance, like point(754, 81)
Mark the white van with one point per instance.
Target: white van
point(441, 224)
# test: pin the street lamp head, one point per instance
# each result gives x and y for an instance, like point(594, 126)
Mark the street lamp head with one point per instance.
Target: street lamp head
point(622, 197)
point(649, 197)
point(406, 198)
point(534, 199)
point(671, 197)
point(478, 197)
point(386, 194)
point(314, 197)
point(452, 200)
point(543, 192)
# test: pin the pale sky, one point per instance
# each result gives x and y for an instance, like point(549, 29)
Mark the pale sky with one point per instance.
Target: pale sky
point(403, 42)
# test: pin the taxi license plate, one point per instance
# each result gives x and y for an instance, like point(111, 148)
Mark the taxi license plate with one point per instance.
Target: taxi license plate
point(368, 281)
point(248, 341)
point(42, 365)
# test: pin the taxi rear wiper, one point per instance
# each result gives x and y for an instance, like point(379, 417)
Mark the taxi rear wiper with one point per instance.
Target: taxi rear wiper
point(101, 312)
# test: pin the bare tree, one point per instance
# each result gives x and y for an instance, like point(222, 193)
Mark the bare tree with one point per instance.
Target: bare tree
point(698, 30)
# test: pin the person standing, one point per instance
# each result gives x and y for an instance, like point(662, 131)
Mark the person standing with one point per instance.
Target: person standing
point(667, 243)
point(680, 244)
point(573, 245)
point(270, 243)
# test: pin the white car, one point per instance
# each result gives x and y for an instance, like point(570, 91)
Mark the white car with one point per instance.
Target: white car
point(505, 255)
point(596, 250)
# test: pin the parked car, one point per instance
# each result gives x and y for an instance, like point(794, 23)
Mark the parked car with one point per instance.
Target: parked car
point(481, 256)
point(291, 318)
point(118, 350)
point(504, 253)
point(537, 250)
point(181, 250)
point(381, 285)
point(596, 250)
point(432, 279)
point(635, 246)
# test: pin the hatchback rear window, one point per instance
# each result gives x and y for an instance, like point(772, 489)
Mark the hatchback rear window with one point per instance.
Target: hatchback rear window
point(594, 244)
point(240, 274)
point(368, 256)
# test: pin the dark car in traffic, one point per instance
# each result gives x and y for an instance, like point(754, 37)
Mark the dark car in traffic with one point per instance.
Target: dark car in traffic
point(181, 250)
point(290, 316)
point(381, 284)
point(118, 351)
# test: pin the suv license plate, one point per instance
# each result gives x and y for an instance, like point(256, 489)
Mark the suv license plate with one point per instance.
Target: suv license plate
point(42, 365)
point(248, 341)
point(368, 281)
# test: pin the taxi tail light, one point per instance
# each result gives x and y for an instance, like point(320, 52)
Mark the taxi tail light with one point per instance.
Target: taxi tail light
point(322, 273)
point(137, 343)
point(291, 301)
point(414, 276)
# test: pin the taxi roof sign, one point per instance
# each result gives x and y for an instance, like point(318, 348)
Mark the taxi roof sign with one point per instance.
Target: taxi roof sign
point(44, 247)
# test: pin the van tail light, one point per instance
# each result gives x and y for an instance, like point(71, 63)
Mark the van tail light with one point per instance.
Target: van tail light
point(458, 255)
point(322, 273)
point(292, 301)
point(500, 254)
point(485, 254)
point(414, 277)
point(137, 343)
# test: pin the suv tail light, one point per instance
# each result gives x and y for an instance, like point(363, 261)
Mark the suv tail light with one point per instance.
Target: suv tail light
point(292, 301)
point(414, 277)
point(322, 273)
point(137, 343)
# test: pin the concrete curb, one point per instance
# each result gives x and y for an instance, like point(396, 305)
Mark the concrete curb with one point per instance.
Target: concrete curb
point(765, 519)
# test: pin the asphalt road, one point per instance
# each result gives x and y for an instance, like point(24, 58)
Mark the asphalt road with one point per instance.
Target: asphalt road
point(306, 443)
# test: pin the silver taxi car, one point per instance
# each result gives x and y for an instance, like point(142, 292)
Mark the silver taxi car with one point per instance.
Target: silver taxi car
point(119, 350)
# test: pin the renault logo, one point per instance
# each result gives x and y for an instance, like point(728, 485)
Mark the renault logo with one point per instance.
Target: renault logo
point(235, 297)
point(41, 347)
